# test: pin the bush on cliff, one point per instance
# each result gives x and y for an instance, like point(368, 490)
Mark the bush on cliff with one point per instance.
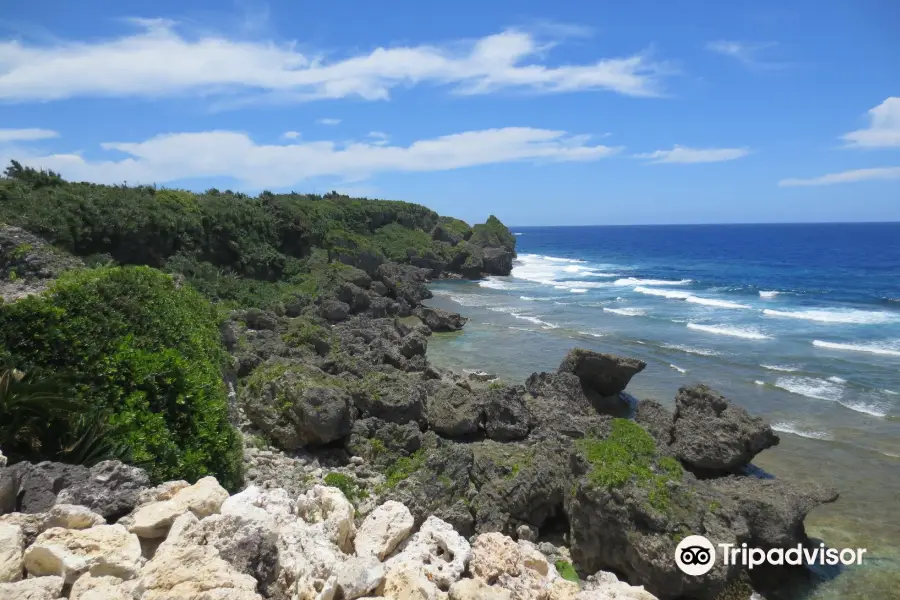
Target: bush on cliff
point(141, 352)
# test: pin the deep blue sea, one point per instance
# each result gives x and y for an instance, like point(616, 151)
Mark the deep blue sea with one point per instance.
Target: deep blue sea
point(797, 323)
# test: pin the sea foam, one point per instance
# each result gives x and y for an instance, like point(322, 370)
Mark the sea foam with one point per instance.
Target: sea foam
point(781, 368)
point(688, 297)
point(714, 302)
point(740, 332)
point(832, 390)
point(793, 428)
point(636, 281)
point(848, 316)
point(870, 348)
point(691, 349)
point(494, 284)
point(627, 312)
point(768, 294)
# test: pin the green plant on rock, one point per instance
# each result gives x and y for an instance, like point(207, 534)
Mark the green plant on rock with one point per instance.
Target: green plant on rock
point(303, 332)
point(629, 454)
point(404, 467)
point(141, 354)
point(567, 571)
point(351, 489)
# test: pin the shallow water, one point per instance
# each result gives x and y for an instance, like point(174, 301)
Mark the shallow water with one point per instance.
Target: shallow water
point(820, 358)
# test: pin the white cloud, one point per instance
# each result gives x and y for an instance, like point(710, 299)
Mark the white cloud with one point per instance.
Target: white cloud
point(290, 135)
point(328, 121)
point(875, 174)
point(379, 138)
point(176, 156)
point(883, 130)
point(26, 135)
point(680, 154)
point(159, 60)
point(746, 52)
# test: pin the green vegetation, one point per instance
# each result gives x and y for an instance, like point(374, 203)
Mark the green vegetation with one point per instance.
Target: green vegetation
point(493, 233)
point(404, 467)
point(302, 332)
point(629, 454)
point(349, 486)
point(141, 357)
point(567, 571)
point(138, 350)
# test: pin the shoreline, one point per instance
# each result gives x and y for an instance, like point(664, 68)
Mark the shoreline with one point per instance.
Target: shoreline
point(798, 458)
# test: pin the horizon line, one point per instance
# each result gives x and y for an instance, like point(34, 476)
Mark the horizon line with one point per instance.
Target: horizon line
point(897, 222)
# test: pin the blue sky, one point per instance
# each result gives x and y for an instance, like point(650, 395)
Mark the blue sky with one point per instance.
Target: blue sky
point(542, 113)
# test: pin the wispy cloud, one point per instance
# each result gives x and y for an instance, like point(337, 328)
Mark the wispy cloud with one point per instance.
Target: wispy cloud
point(26, 135)
point(748, 53)
point(684, 155)
point(161, 60)
point(177, 156)
point(328, 121)
point(876, 174)
point(379, 138)
point(290, 135)
point(883, 130)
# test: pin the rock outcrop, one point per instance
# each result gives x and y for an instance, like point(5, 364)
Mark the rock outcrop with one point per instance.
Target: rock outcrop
point(712, 435)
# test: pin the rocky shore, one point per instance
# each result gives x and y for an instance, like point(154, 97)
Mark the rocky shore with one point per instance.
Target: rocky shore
point(348, 465)
point(353, 441)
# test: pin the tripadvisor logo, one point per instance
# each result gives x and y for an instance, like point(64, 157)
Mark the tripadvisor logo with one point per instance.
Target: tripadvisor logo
point(696, 555)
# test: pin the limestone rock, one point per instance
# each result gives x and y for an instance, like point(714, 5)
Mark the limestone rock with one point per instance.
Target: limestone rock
point(477, 589)
point(204, 498)
point(408, 581)
point(32, 525)
point(359, 576)
point(383, 529)
point(12, 543)
point(193, 572)
point(438, 550)
point(328, 506)
point(102, 550)
point(89, 587)
point(517, 567)
point(35, 588)
point(255, 503)
point(164, 491)
point(70, 516)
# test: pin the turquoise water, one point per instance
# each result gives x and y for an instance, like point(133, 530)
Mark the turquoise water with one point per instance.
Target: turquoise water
point(798, 323)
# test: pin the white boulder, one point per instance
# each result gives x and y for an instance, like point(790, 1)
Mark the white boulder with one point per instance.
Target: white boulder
point(383, 530)
point(438, 550)
point(71, 516)
point(35, 588)
point(12, 544)
point(68, 553)
point(153, 520)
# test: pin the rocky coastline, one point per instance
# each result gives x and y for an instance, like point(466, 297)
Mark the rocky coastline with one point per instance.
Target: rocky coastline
point(367, 471)
point(349, 414)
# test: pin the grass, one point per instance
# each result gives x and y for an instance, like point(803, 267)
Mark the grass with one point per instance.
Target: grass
point(629, 455)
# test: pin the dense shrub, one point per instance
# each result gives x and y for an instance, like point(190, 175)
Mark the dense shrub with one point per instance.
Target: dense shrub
point(132, 345)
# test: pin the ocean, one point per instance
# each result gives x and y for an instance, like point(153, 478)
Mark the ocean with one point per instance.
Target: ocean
point(798, 323)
